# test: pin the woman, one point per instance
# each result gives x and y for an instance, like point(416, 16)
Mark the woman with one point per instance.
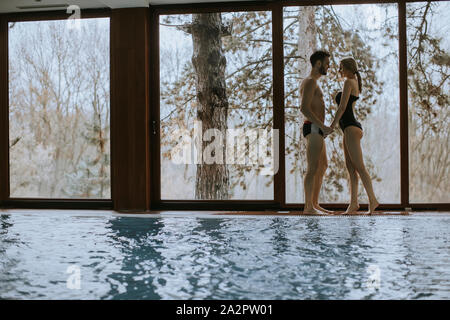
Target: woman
point(353, 133)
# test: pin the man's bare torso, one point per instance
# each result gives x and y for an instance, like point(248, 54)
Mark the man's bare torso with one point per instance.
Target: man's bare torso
point(317, 103)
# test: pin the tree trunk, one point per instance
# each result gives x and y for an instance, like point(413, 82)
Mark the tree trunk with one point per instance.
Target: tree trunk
point(307, 42)
point(212, 180)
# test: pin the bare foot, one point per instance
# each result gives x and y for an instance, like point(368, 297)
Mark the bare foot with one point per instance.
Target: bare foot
point(319, 208)
point(372, 206)
point(352, 208)
point(313, 211)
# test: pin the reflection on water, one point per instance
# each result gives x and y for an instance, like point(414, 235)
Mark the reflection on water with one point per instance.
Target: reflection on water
point(224, 258)
point(140, 251)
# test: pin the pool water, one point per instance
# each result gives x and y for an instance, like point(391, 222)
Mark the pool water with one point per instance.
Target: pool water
point(100, 255)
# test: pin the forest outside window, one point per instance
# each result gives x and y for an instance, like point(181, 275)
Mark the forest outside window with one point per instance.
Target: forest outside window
point(369, 33)
point(428, 101)
point(59, 109)
point(59, 103)
point(216, 73)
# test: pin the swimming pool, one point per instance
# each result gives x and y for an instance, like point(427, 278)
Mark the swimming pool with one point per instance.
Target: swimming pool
point(100, 255)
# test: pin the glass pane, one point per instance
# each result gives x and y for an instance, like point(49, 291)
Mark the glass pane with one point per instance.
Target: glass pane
point(59, 109)
point(428, 101)
point(216, 73)
point(369, 33)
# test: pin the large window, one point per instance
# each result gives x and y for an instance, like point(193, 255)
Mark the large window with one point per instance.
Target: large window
point(216, 106)
point(369, 33)
point(428, 93)
point(220, 104)
point(59, 109)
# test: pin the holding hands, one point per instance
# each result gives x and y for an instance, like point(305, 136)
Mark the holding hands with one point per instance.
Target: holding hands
point(327, 130)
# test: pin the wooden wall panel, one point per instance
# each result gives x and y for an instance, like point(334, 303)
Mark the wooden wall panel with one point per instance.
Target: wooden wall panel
point(403, 87)
point(130, 109)
point(278, 102)
point(4, 133)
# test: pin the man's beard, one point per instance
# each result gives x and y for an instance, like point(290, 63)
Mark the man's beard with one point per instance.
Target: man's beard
point(322, 71)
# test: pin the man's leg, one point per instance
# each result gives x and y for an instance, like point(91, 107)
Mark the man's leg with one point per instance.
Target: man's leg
point(318, 179)
point(314, 148)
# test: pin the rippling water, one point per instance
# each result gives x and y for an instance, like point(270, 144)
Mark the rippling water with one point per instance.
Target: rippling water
point(403, 257)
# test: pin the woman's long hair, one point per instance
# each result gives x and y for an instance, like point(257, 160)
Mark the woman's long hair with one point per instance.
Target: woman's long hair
point(351, 65)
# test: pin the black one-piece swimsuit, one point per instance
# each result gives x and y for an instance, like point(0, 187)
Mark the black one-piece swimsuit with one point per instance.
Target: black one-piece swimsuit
point(348, 118)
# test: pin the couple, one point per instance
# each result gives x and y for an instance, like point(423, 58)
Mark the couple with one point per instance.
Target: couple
point(314, 130)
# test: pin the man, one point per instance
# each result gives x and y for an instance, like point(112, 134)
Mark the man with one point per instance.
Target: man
point(314, 130)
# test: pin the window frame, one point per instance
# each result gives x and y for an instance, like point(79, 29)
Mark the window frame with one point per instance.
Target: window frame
point(153, 192)
point(279, 202)
point(6, 200)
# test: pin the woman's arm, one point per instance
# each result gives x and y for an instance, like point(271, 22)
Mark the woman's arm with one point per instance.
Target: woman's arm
point(342, 105)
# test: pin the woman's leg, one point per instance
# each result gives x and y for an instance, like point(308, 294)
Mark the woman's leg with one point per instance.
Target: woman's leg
point(353, 137)
point(353, 177)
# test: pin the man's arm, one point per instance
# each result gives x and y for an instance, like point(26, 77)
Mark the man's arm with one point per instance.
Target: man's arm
point(305, 106)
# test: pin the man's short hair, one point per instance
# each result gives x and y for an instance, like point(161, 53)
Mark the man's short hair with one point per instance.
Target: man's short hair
point(318, 55)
